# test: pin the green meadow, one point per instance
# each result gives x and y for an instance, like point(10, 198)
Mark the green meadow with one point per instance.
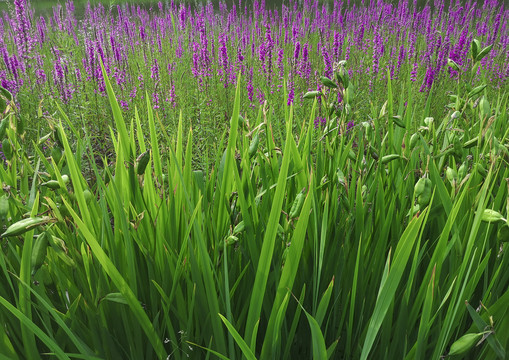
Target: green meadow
point(190, 183)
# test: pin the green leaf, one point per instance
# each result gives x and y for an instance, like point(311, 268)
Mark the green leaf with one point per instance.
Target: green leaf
point(389, 286)
point(238, 339)
point(482, 325)
point(265, 261)
point(319, 348)
point(289, 270)
point(33, 329)
point(115, 297)
point(117, 113)
point(324, 303)
point(120, 283)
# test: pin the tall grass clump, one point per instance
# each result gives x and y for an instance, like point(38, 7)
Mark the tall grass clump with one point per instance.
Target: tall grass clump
point(385, 238)
point(185, 58)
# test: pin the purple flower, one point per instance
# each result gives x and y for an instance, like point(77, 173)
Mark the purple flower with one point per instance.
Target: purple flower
point(297, 51)
point(413, 73)
point(327, 60)
point(428, 79)
point(223, 59)
point(250, 88)
point(124, 105)
point(132, 94)
point(172, 97)
point(320, 122)
point(22, 38)
point(155, 100)
point(401, 57)
point(154, 71)
point(291, 94)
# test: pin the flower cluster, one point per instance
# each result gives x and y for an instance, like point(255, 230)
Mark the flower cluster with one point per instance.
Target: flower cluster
point(206, 46)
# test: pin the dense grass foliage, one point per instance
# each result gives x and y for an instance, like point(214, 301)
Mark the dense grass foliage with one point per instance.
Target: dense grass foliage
point(185, 58)
point(371, 241)
point(377, 231)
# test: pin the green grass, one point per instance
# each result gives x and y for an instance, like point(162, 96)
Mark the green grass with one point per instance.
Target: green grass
point(316, 246)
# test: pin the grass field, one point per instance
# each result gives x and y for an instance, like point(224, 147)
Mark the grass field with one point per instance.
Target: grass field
point(308, 181)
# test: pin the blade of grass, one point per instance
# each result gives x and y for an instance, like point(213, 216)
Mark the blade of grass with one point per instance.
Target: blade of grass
point(120, 283)
point(389, 286)
point(34, 330)
point(240, 341)
point(264, 263)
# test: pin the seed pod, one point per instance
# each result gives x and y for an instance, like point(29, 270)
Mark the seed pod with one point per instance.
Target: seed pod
point(7, 148)
point(297, 205)
point(239, 227)
point(471, 142)
point(462, 171)
point(490, 215)
point(424, 198)
point(65, 178)
point(476, 90)
point(413, 140)
point(390, 157)
point(397, 120)
point(428, 121)
point(422, 191)
point(351, 155)
point(87, 195)
point(230, 240)
point(312, 94)
point(39, 251)
point(142, 162)
point(342, 77)
point(453, 64)
point(475, 46)
point(419, 186)
point(253, 146)
point(25, 225)
point(483, 53)
point(3, 127)
point(57, 243)
point(4, 207)
point(464, 343)
point(327, 82)
point(52, 184)
point(451, 174)
point(455, 115)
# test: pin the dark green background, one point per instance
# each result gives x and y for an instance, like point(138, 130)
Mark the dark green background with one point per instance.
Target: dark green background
point(43, 7)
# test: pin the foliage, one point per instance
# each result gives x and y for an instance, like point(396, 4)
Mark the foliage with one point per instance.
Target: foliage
point(328, 244)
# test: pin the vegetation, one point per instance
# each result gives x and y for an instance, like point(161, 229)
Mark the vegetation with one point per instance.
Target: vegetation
point(380, 236)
